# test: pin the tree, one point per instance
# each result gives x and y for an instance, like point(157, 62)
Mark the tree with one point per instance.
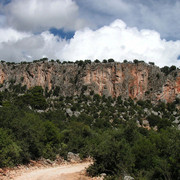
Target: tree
point(29, 131)
point(145, 152)
point(56, 91)
point(1, 98)
point(96, 97)
point(75, 137)
point(84, 88)
point(97, 61)
point(35, 98)
point(58, 61)
point(111, 60)
point(112, 154)
point(9, 150)
point(172, 68)
point(135, 61)
point(151, 63)
point(80, 63)
point(153, 120)
point(165, 70)
point(87, 61)
point(51, 140)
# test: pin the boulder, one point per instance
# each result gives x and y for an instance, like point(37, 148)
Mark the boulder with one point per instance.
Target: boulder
point(128, 178)
point(72, 157)
point(77, 113)
point(69, 112)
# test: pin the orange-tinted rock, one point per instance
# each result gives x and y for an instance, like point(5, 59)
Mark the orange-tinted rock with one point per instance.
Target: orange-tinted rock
point(140, 81)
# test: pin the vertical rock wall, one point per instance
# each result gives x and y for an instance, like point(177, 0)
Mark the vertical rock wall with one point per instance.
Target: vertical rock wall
point(138, 81)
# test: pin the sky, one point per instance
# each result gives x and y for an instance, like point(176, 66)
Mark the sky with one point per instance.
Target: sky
point(73, 30)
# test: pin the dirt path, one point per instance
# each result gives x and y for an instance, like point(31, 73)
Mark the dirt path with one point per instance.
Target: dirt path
point(65, 172)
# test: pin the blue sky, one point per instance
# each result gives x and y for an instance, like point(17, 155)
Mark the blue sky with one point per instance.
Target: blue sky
point(90, 29)
point(5, 1)
point(62, 33)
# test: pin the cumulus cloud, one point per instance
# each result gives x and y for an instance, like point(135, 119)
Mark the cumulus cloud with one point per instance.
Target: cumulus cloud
point(117, 41)
point(39, 15)
point(162, 15)
point(9, 34)
point(17, 46)
point(121, 42)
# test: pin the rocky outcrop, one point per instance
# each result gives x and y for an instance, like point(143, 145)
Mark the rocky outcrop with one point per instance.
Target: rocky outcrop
point(128, 178)
point(138, 81)
point(72, 157)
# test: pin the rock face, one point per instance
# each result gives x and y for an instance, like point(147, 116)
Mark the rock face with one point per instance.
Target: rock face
point(140, 81)
point(71, 157)
point(128, 178)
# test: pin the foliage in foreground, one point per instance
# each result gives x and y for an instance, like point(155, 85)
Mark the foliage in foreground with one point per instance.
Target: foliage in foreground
point(103, 128)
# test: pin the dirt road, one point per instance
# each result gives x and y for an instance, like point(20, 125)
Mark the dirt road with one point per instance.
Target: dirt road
point(65, 172)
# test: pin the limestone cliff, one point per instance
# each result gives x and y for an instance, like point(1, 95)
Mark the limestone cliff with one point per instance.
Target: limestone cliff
point(140, 81)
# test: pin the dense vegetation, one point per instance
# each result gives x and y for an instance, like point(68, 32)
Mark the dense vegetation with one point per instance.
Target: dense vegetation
point(140, 139)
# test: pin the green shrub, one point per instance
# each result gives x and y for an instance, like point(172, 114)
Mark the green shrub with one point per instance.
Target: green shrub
point(9, 150)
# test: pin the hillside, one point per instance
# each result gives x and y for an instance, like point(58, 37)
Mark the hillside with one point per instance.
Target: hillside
point(121, 129)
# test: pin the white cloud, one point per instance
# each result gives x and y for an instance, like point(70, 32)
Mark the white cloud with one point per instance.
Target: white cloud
point(2, 20)
point(9, 34)
point(39, 15)
point(162, 15)
point(121, 42)
point(114, 41)
point(17, 46)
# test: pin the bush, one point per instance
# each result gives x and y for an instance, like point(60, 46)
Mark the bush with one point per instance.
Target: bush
point(51, 140)
point(56, 91)
point(112, 155)
point(151, 63)
point(84, 88)
point(135, 61)
point(87, 61)
point(9, 150)
point(35, 98)
point(153, 120)
point(97, 61)
point(111, 60)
